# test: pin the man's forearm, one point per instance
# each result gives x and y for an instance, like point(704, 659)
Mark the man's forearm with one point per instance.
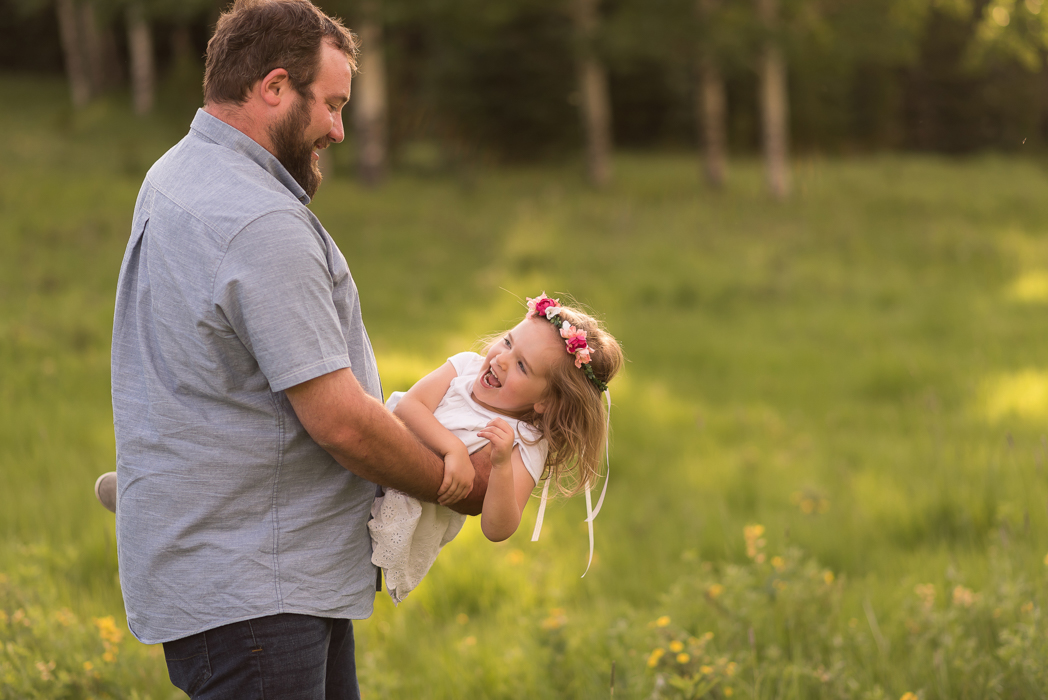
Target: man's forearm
point(366, 439)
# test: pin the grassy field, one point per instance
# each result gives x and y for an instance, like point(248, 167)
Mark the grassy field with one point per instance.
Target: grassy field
point(829, 443)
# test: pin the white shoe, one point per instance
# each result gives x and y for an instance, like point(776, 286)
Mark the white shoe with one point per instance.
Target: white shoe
point(105, 490)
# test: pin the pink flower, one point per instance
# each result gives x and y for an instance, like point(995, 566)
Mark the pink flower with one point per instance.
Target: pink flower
point(575, 340)
point(542, 305)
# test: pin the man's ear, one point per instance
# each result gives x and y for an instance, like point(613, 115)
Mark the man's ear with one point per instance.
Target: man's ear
point(274, 86)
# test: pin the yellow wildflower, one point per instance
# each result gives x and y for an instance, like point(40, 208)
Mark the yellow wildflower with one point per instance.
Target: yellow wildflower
point(45, 670)
point(109, 657)
point(462, 618)
point(827, 576)
point(926, 592)
point(653, 659)
point(714, 591)
point(470, 641)
point(963, 596)
point(731, 668)
point(108, 630)
point(88, 665)
point(780, 585)
point(676, 646)
point(1027, 607)
point(515, 556)
point(728, 692)
point(705, 670)
point(556, 619)
point(778, 563)
point(908, 696)
point(707, 637)
point(663, 621)
point(683, 658)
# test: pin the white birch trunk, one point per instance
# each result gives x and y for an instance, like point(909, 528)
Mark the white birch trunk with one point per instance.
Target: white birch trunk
point(711, 106)
point(594, 101)
point(76, 68)
point(369, 97)
point(774, 103)
point(140, 48)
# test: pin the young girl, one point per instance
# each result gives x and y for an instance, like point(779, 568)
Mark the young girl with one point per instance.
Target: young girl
point(537, 395)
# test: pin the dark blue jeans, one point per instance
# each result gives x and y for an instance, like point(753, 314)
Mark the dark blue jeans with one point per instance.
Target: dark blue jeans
point(281, 657)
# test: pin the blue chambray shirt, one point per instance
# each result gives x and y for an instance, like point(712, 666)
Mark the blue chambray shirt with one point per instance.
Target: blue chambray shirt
point(230, 292)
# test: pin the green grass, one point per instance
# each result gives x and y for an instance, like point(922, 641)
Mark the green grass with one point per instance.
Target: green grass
point(872, 352)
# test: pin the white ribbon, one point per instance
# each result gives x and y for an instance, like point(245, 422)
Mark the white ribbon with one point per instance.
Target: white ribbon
point(591, 512)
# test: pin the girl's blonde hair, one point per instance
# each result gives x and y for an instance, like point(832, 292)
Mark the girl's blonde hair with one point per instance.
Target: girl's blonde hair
point(575, 419)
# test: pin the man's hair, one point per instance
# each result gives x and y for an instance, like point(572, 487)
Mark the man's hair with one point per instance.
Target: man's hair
point(254, 37)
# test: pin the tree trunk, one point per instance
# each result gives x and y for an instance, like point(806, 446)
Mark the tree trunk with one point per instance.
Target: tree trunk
point(774, 104)
point(711, 104)
point(369, 96)
point(92, 46)
point(140, 48)
point(595, 106)
point(75, 64)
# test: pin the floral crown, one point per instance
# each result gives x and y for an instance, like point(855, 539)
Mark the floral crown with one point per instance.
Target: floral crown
point(574, 339)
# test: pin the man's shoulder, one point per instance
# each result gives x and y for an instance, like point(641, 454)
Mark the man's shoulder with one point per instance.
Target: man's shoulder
point(220, 186)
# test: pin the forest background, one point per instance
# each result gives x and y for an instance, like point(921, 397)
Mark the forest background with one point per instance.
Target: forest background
point(816, 226)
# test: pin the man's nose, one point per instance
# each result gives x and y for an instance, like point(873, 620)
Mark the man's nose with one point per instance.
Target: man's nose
point(337, 132)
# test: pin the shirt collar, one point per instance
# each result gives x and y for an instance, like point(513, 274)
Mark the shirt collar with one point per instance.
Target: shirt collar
point(214, 129)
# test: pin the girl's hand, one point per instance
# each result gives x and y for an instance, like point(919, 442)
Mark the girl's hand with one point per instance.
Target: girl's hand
point(458, 478)
point(501, 437)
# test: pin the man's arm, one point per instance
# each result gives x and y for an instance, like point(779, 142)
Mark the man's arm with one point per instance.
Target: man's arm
point(366, 439)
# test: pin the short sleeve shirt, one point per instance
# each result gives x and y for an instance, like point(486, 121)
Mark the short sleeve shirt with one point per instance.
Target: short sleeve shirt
point(230, 292)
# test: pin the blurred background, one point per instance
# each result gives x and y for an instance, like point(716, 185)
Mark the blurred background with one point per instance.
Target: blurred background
point(453, 81)
point(818, 228)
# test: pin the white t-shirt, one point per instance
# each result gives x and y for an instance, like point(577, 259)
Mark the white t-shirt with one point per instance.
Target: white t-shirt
point(407, 534)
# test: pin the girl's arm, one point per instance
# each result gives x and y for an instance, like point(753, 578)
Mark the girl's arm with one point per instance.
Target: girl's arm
point(416, 409)
point(509, 485)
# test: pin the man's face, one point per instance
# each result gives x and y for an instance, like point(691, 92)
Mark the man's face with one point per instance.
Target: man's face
point(314, 121)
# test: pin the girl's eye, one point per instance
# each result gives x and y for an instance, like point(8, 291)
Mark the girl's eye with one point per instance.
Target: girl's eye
point(521, 366)
point(505, 341)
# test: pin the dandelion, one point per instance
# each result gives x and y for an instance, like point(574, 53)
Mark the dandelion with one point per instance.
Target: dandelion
point(827, 576)
point(656, 655)
point(462, 618)
point(707, 637)
point(676, 646)
point(515, 556)
point(88, 666)
point(731, 668)
point(714, 591)
point(109, 657)
point(1027, 607)
point(663, 621)
point(728, 692)
point(705, 670)
point(778, 563)
point(470, 641)
point(908, 696)
point(683, 658)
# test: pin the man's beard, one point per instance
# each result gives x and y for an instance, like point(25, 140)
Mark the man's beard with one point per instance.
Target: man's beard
point(293, 153)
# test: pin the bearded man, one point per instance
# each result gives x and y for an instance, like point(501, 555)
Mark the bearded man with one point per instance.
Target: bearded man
point(247, 406)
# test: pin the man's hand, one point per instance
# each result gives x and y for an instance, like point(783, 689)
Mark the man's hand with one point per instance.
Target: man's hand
point(458, 477)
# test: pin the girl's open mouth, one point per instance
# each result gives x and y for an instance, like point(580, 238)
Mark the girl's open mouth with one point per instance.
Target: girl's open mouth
point(490, 380)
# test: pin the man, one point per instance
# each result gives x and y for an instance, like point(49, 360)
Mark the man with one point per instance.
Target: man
point(246, 400)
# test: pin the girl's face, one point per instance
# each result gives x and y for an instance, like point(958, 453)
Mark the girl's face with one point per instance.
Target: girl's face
point(512, 379)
